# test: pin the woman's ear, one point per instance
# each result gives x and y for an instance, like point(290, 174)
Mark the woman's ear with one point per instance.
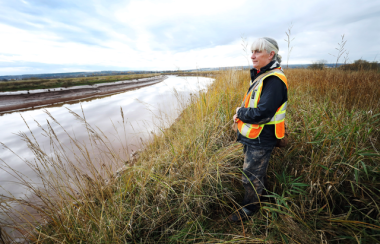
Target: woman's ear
point(271, 55)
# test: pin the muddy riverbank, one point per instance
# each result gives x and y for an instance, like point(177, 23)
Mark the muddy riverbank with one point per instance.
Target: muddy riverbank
point(127, 120)
point(27, 99)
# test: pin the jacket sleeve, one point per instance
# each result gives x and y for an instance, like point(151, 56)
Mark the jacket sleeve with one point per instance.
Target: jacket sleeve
point(273, 95)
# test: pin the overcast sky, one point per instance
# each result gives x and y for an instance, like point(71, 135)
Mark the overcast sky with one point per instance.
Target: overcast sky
point(49, 36)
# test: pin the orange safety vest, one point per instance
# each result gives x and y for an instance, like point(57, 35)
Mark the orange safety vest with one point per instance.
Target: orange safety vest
point(252, 98)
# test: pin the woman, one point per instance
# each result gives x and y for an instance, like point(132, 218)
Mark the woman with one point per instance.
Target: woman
point(260, 121)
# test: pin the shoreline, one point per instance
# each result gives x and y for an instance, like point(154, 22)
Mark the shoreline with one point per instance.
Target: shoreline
point(11, 101)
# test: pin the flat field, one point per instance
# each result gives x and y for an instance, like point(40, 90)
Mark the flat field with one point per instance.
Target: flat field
point(31, 84)
point(324, 187)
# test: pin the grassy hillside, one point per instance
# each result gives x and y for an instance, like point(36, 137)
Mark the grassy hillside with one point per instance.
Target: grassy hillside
point(31, 84)
point(324, 187)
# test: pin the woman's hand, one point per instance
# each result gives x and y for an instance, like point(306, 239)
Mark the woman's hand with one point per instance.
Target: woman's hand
point(235, 118)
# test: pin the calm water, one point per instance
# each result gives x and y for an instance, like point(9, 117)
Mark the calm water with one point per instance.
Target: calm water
point(144, 109)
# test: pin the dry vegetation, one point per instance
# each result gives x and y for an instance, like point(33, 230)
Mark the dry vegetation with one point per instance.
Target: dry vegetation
point(362, 65)
point(324, 187)
point(195, 73)
point(31, 84)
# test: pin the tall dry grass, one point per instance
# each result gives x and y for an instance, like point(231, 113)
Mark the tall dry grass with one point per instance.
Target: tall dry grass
point(324, 187)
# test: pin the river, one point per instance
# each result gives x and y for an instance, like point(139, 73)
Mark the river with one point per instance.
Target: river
point(145, 110)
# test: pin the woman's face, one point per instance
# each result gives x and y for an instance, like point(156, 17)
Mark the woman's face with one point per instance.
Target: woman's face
point(261, 58)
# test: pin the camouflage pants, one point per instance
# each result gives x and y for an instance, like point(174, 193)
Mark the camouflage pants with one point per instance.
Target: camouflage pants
point(254, 174)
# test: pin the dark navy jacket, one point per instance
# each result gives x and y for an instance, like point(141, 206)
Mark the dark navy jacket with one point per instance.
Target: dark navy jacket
point(273, 95)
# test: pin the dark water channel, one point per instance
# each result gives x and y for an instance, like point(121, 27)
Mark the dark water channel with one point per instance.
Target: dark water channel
point(144, 109)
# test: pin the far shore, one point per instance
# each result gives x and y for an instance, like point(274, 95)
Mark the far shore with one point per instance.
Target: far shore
point(10, 101)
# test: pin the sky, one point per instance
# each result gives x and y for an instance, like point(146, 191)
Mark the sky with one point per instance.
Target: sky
point(54, 36)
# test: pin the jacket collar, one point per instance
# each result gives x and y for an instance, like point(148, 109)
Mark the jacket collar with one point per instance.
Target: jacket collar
point(272, 65)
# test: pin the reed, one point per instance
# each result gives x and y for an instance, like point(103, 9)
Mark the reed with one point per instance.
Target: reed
point(324, 187)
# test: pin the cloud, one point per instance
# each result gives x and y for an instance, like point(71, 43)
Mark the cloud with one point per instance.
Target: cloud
point(146, 34)
point(68, 21)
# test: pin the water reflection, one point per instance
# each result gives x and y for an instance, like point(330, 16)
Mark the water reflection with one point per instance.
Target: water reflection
point(144, 109)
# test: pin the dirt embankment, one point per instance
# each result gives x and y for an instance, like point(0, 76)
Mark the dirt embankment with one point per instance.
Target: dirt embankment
point(25, 99)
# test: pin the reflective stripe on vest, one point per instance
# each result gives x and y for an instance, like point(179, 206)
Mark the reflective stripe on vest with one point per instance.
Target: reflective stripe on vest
point(252, 99)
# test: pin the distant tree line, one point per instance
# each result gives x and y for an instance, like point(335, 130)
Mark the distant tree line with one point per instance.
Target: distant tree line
point(320, 64)
point(359, 64)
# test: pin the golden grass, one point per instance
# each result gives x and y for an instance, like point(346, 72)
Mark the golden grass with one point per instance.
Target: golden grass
point(324, 187)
